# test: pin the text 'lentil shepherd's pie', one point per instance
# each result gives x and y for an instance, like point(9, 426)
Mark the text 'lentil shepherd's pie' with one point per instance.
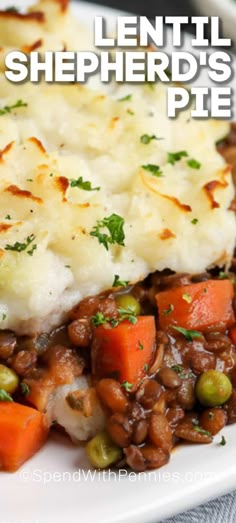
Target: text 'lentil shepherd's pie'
point(117, 268)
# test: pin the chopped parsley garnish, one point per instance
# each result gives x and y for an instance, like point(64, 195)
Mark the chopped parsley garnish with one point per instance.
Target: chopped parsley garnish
point(146, 367)
point(153, 169)
point(166, 312)
point(190, 375)
point(8, 217)
point(227, 276)
point(51, 174)
point(147, 138)
point(180, 372)
point(31, 251)
point(176, 157)
point(126, 98)
point(177, 368)
point(25, 390)
point(119, 283)
point(223, 441)
point(127, 314)
point(129, 111)
point(140, 345)
point(202, 431)
point(189, 335)
point(19, 247)
point(194, 221)
point(29, 180)
point(205, 290)
point(186, 297)
point(172, 158)
point(194, 164)
point(115, 226)
point(4, 316)
point(81, 184)
point(124, 314)
point(224, 276)
point(99, 319)
point(127, 386)
point(8, 108)
point(4, 396)
point(211, 415)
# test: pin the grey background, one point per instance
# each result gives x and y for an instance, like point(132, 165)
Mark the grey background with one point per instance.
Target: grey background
point(222, 510)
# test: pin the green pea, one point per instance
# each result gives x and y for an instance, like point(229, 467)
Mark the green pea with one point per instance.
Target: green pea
point(102, 452)
point(213, 388)
point(127, 301)
point(9, 380)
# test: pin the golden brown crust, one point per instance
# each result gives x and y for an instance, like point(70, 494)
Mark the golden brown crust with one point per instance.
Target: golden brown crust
point(182, 206)
point(113, 122)
point(63, 4)
point(6, 150)
point(16, 191)
point(166, 234)
point(5, 227)
point(29, 48)
point(38, 144)
point(209, 189)
point(175, 201)
point(35, 16)
point(62, 184)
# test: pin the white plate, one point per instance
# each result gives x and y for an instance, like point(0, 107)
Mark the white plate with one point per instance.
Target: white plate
point(56, 487)
point(225, 10)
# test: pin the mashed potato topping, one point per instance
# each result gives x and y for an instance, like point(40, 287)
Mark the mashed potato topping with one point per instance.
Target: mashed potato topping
point(71, 156)
point(77, 424)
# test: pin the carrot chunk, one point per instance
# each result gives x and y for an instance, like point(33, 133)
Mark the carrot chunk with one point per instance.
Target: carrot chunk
point(124, 351)
point(22, 433)
point(197, 306)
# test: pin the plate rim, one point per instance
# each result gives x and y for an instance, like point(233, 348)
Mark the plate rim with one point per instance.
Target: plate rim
point(193, 494)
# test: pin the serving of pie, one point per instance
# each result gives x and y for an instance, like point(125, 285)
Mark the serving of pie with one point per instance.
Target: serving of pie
point(117, 269)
